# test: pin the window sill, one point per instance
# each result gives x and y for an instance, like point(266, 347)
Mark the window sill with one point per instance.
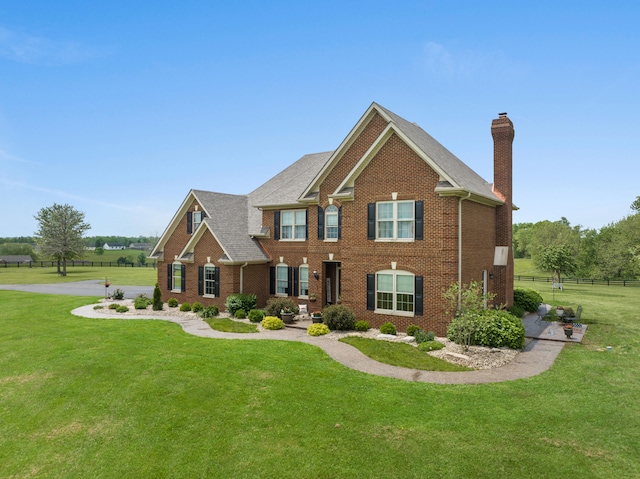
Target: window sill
point(292, 240)
point(406, 314)
point(176, 291)
point(209, 296)
point(395, 240)
point(330, 240)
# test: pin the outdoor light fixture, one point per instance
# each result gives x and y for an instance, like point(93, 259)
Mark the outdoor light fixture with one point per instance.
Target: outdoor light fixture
point(490, 275)
point(315, 274)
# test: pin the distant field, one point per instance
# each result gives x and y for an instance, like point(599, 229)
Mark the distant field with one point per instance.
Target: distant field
point(525, 267)
point(49, 275)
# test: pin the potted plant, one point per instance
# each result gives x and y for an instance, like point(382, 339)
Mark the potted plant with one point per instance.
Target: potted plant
point(312, 296)
point(316, 317)
point(287, 314)
point(559, 311)
point(568, 330)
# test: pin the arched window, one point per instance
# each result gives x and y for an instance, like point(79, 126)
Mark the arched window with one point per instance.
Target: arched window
point(331, 222)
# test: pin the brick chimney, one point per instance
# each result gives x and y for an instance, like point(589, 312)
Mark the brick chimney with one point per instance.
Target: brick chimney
point(502, 132)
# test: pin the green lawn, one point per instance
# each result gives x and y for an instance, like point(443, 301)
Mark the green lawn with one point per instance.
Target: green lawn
point(121, 276)
point(105, 398)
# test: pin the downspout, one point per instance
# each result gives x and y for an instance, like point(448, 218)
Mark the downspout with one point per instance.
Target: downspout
point(460, 200)
point(242, 276)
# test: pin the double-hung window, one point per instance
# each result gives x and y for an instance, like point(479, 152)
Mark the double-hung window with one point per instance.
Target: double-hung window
point(176, 277)
point(293, 225)
point(303, 280)
point(395, 292)
point(282, 279)
point(395, 220)
point(331, 222)
point(197, 219)
point(209, 280)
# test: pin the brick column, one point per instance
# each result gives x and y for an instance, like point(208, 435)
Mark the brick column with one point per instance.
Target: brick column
point(503, 133)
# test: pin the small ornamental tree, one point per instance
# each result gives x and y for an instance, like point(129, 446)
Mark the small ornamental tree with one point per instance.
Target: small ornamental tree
point(157, 299)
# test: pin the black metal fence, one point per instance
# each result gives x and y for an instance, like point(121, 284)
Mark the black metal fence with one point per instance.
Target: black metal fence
point(593, 282)
point(79, 263)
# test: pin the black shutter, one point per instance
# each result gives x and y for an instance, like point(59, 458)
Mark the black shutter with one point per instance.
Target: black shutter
point(272, 280)
point(419, 295)
point(371, 221)
point(320, 223)
point(169, 276)
point(276, 225)
point(216, 282)
point(189, 222)
point(340, 223)
point(419, 220)
point(306, 224)
point(371, 291)
point(296, 291)
point(200, 280)
point(183, 272)
point(289, 281)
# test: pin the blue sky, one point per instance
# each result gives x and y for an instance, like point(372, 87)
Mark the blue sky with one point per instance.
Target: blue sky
point(120, 108)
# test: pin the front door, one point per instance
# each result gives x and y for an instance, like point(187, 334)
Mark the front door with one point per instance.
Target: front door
point(332, 282)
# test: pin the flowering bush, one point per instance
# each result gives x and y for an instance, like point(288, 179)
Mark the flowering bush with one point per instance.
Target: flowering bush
point(272, 322)
point(317, 329)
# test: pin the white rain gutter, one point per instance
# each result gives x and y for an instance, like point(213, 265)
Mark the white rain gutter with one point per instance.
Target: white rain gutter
point(460, 200)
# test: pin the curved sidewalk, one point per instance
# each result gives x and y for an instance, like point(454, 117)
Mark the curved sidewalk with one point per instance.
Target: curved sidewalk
point(536, 358)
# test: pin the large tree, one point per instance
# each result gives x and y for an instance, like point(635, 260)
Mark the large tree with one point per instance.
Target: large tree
point(556, 259)
point(60, 232)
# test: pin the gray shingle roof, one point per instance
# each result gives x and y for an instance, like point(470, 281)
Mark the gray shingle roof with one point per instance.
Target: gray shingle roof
point(227, 217)
point(459, 172)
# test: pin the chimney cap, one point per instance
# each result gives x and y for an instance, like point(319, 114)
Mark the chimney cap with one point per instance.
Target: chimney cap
point(502, 115)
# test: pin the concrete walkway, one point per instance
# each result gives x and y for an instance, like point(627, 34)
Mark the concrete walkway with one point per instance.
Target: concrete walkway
point(536, 358)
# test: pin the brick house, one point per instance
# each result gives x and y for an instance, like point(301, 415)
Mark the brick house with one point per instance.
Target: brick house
point(383, 224)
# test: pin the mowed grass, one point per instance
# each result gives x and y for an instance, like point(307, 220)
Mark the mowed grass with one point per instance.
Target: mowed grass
point(121, 276)
point(125, 398)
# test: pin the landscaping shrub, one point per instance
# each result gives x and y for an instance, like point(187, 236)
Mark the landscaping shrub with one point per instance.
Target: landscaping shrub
point(113, 306)
point(517, 310)
point(256, 315)
point(238, 301)
point(490, 327)
point(430, 346)
point(527, 299)
point(122, 309)
point(172, 302)
point(118, 294)
point(197, 307)
point(98, 306)
point(361, 326)
point(411, 329)
point(317, 329)
point(141, 301)
point(157, 299)
point(275, 305)
point(272, 322)
point(210, 312)
point(185, 307)
point(420, 336)
point(240, 314)
point(338, 318)
point(388, 328)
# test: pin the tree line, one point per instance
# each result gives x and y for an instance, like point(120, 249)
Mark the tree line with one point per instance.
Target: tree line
point(610, 253)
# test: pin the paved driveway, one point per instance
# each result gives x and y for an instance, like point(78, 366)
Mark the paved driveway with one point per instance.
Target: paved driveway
point(80, 288)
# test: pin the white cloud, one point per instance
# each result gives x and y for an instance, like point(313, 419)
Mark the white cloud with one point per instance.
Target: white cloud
point(25, 48)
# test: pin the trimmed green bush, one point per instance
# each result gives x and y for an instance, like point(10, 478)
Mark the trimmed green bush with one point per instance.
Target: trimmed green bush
point(256, 315)
point(141, 301)
point(98, 306)
point(113, 306)
point(210, 312)
point(411, 329)
point(237, 301)
point(317, 329)
point(122, 309)
point(240, 314)
point(338, 318)
point(361, 326)
point(118, 294)
point(275, 305)
point(388, 328)
point(157, 299)
point(430, 346)
point(527, 299)
point(489, 327)
point(517, 311)
point(272, 322)
point(197, 307)
point(421, 336)
point(185, 307)
point(172, 302)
